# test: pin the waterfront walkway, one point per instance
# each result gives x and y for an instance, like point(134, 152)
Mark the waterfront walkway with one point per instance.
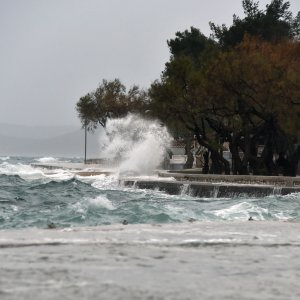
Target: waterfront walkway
point(195, 175)
point(77, 168)
point(191, 181)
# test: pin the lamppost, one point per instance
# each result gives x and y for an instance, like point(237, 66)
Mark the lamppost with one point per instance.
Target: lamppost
point(85, 138)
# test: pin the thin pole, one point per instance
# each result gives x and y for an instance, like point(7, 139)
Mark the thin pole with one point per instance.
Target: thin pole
point(85, 144)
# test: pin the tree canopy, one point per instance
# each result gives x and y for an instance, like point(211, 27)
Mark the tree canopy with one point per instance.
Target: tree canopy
point(109, 100)
point(273, 23)
point(254, 96)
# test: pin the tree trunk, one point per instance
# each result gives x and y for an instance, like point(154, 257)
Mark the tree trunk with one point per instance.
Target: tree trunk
point(205, 168)
point(295, 157)
point(235, 156)
point(190, 158)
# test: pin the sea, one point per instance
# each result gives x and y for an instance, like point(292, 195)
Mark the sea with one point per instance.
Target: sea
point(74, 237)
point(35, 197)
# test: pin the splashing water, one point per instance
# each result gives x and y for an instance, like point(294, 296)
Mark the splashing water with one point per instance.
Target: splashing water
point(32, 197)
point(137, 144)
point(3, 158)
point(47, 160)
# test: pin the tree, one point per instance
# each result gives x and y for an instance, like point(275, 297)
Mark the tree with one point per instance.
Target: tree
point(109, 100)
point(192, 44)
point(246, 96)
point(254, 95)
point(274, 23)
point(178, 97)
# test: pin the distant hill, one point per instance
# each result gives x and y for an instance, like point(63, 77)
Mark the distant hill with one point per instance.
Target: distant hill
point(61, 141)
point(34, 132)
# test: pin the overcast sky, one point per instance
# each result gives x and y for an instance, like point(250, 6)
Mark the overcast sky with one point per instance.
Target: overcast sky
point(52, 52)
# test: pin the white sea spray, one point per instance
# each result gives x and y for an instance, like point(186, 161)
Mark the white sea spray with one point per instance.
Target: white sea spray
point(3, 158)
point(46, 159)
point(101, 201)
point(136, 145)
point(240, 211)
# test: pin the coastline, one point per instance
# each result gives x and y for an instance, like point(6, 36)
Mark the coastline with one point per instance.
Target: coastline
point(191, 182)
point(210, 189)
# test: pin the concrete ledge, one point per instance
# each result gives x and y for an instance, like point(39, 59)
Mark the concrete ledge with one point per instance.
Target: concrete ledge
point(60, 165)
point(170, 187)
point(210, 190)
point(240, 179)
point(76, 168)
point(93, 173)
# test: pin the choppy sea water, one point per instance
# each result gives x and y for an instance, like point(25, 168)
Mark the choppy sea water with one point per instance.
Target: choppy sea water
point(32, 197)
point(160, 254)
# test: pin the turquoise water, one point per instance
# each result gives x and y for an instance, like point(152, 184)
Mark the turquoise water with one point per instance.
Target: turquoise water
point(32, 197)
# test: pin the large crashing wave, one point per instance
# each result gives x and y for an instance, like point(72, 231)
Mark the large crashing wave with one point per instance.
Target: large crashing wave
point(137, 144)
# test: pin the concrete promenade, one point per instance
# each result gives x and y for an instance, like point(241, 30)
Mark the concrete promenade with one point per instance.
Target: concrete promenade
point(77, 168)
point(192, 182)
point(210, 189)
point(195, 175)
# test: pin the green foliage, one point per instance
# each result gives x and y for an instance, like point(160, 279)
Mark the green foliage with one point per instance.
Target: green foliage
point(109, 100)
point(179, 89)
point(251, 9)
point(192, 44)
point(258, 83)
point(86, 111)
point(272, 24)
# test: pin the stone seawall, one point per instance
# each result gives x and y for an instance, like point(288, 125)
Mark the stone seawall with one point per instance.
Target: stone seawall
point(207, 190)
point(193, 175)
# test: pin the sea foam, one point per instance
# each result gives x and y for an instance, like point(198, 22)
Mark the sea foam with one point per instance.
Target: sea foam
point(241, 211)
point(3, 158)
point(101, 201)
point(46, 159)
